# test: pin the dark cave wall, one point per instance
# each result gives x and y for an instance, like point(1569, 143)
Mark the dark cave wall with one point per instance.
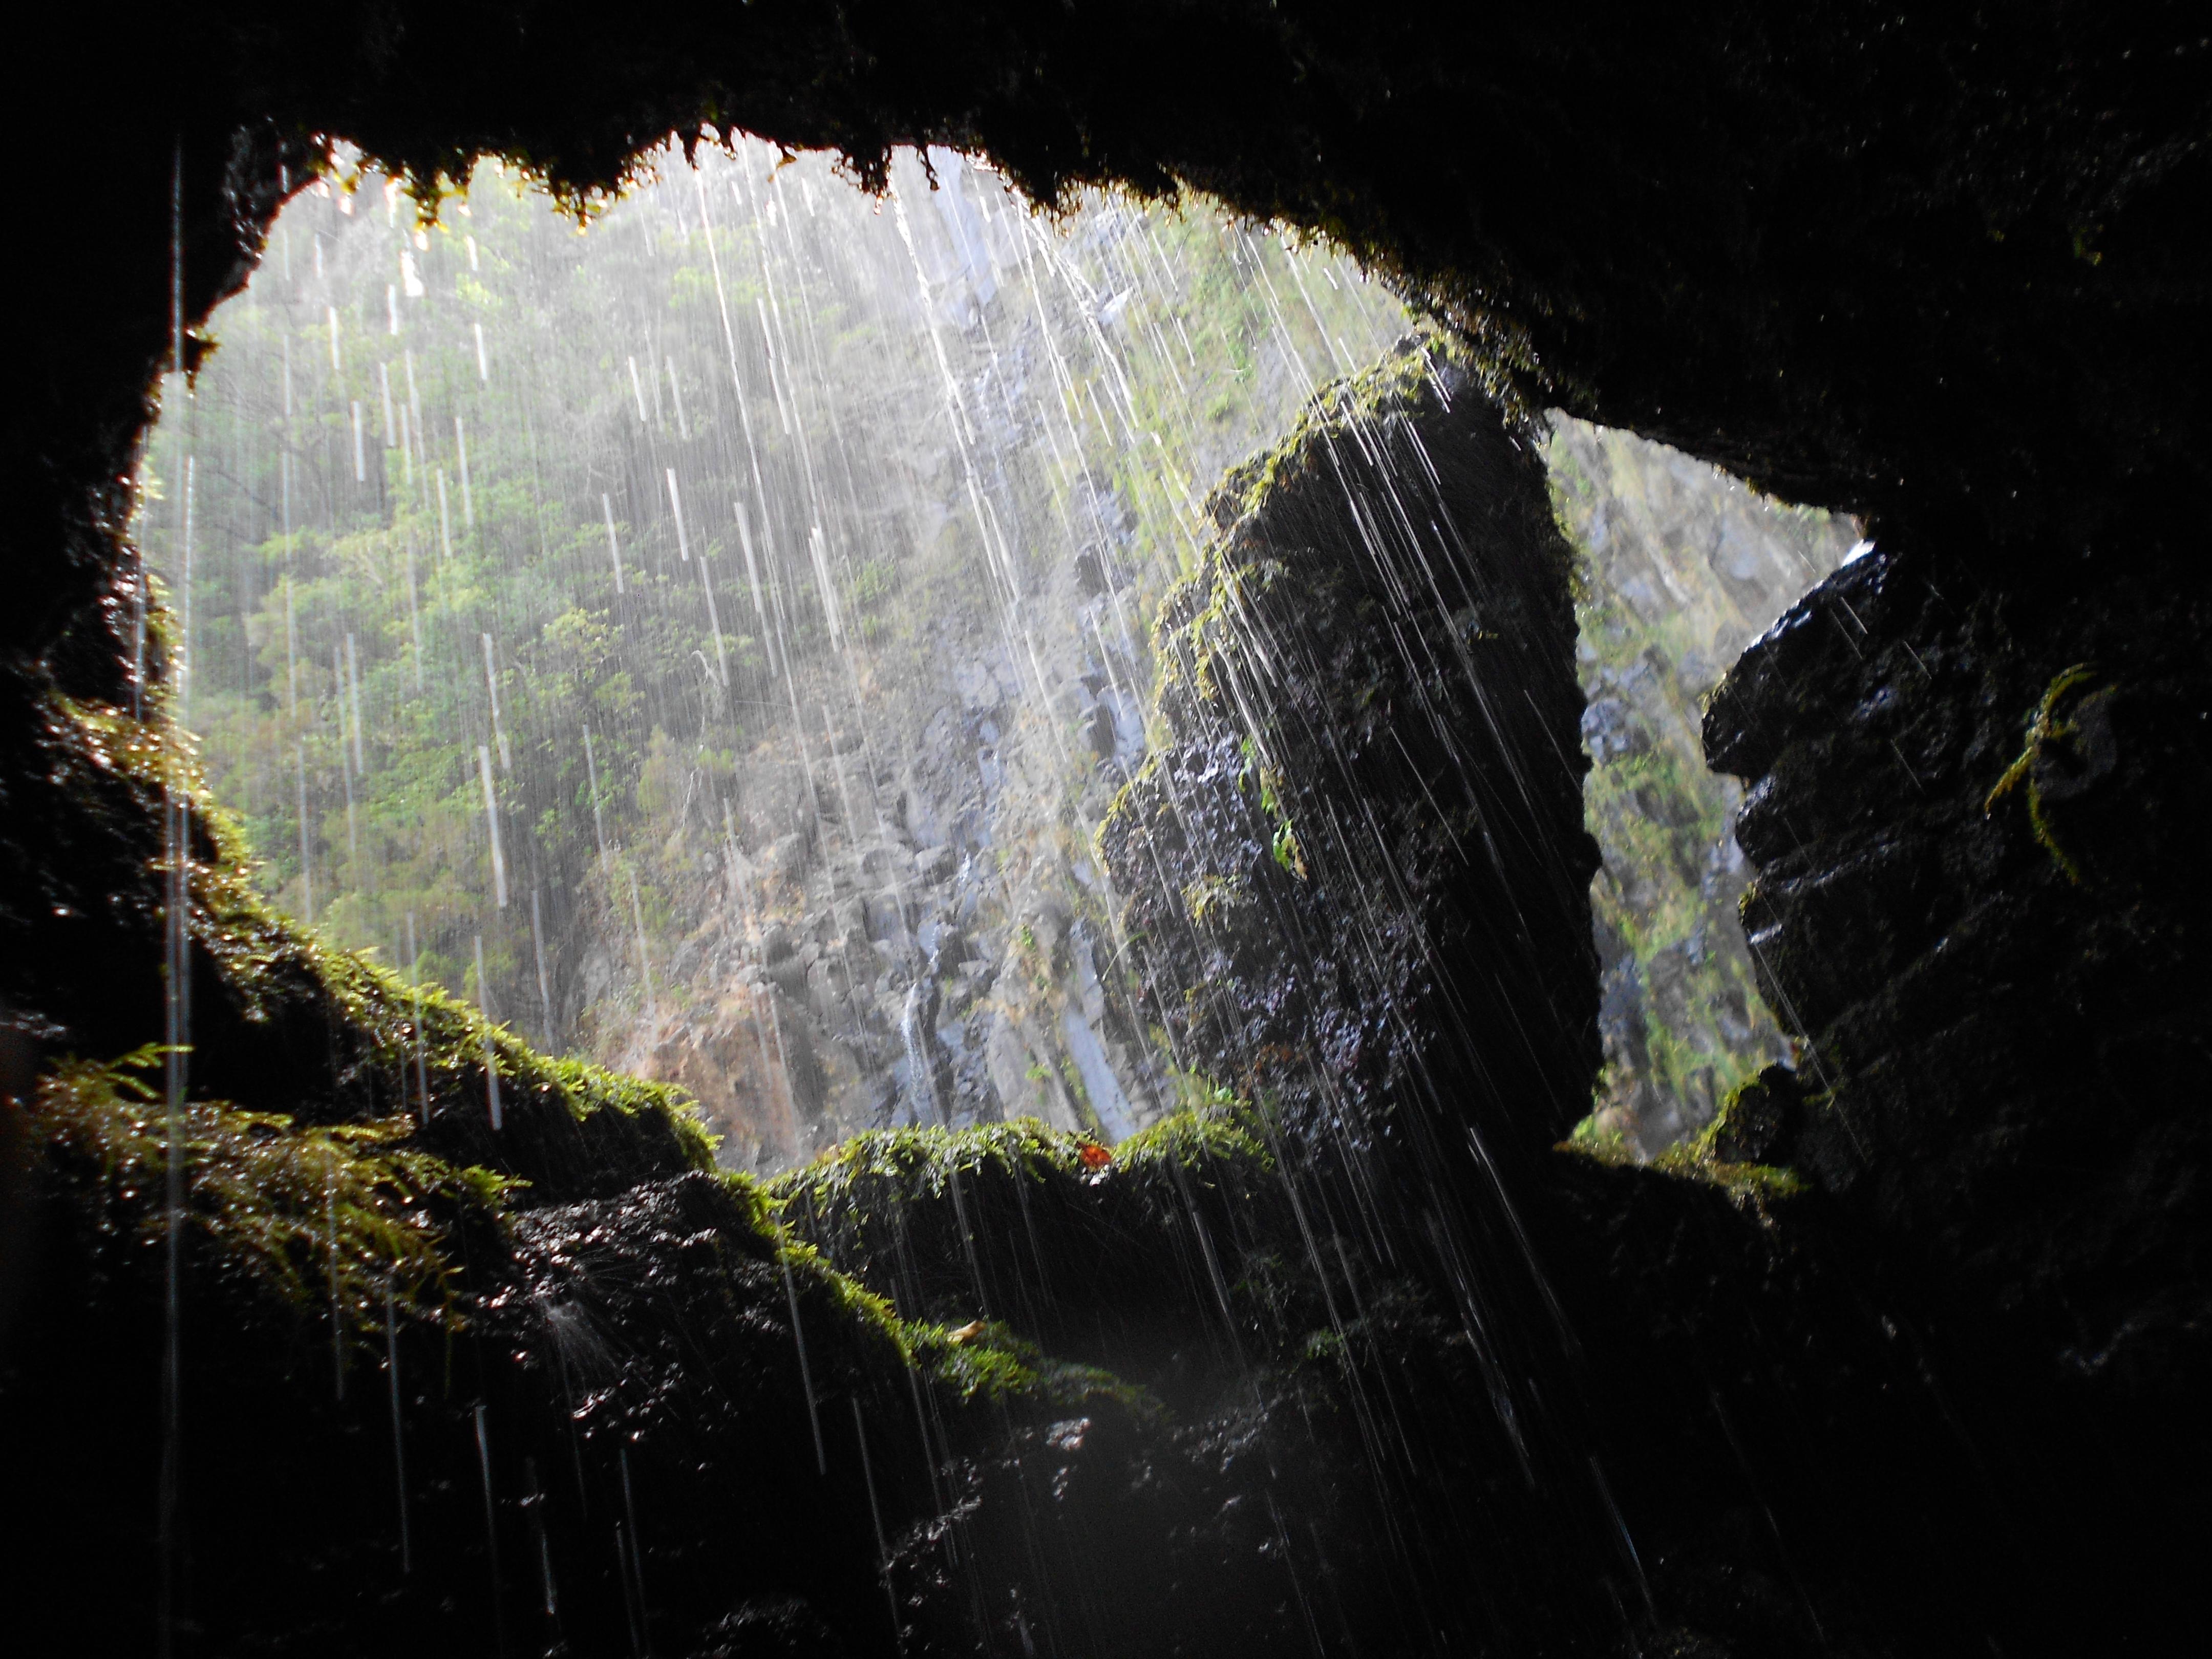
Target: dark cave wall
point(1976, 817)
point(1903, 1356)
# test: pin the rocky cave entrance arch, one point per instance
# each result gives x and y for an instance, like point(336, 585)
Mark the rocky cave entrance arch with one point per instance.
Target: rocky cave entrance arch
point(1822, 257)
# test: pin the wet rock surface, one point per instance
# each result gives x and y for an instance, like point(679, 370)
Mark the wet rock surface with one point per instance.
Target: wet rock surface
point(1357, 867)
point(1972, 815)
point(1268, 1377)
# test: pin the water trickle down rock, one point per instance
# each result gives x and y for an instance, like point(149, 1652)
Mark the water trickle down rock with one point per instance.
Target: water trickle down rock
point(921, 934)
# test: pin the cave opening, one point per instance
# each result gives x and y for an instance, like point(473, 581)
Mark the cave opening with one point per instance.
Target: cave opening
point(797, 863)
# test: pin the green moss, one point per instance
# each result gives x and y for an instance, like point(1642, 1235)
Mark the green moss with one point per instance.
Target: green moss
point(341, 1213)
point(2050, 727)
point(278, 977)
point(998, 1366)
point(1214, 902)
point(1215, 1127)
point(1594, 1139)
point(917, 1213)
point(926, 1160)
point(1752, 1186)
point(982, 1362)
point(1698, 1158)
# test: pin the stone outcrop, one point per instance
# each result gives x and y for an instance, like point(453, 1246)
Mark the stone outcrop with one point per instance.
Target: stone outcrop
point(1356, 867)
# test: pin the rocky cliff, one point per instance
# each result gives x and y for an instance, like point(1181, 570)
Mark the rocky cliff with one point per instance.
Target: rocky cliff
point(901, 923)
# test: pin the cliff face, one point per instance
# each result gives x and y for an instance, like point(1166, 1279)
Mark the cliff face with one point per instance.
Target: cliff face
point(901, 925)
point(880, 906)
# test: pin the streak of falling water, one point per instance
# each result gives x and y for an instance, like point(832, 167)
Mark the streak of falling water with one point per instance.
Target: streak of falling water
point(614, 547)
point(498, 728)
point(399, 1441)
point(353, 693)
point(414, 614)
point(337, 1306)
point(492, 825)
point(644, 957)
point(805, 1370)
point(177, 1036)
point(345, 771)
point(920, 1065)
point(598, 819)
point(631, 1612)
point(534, 1505)
point(491, 1530)
point(636, 1553)
point(544, 985)
point(490, 1053)
point(306, 855)
point(876, 1515)
point(422, 1040)
point(468, 497)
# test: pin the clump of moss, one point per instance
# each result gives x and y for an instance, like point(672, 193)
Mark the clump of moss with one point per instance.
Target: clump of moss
point(347, 1213)
point(982, 1361)
point(1741, 1151)
point(925, 1162)
point(2069, 746)
point(987, 1361)
point(1216, 903)
point(1595, 1139)
point(1084, 1249)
